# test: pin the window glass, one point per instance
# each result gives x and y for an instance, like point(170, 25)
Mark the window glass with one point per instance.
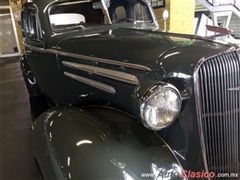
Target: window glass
point(24, 25)
point(65, 16)
point(33, 24)
point(80, 14)
point(141, 13)
point(8, 43)
point(120, 13)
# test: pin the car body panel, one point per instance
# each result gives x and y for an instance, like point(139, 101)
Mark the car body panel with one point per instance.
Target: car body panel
point(157, 61)
point(99, 143)
point(97, 68)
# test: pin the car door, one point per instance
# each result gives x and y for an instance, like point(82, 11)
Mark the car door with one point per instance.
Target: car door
point(43, 64)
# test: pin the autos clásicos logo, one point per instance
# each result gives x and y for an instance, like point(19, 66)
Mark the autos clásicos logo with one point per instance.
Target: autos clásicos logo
point(188, 174)
point(202, 174)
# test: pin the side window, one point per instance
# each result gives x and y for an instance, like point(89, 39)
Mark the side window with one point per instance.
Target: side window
point(24, 23)
point(33, 25)
point(141, 13)
point(73, 15)
point(120, 13)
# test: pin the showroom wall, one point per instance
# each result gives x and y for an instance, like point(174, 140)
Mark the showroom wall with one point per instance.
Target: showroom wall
point(181, 16)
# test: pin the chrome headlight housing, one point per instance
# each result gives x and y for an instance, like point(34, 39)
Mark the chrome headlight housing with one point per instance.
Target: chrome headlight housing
point(159, 105)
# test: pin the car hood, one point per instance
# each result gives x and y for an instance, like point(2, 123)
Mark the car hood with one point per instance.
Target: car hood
point(148, 48)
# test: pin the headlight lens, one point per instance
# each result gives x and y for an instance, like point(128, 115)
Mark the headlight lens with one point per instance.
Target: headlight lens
point(160, 106)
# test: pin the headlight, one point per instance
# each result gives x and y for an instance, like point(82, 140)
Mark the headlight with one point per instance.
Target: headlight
point(159, 105)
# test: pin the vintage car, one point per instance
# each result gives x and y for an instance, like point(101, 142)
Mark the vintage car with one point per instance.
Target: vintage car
point(116, 98)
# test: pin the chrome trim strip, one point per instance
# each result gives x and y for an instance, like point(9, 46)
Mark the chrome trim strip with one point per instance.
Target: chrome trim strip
point(107, 61)
point(199, 114)
point(117, 75)
point(198, 104)
point(42, 50)
point(90, 58)
point(93, 83)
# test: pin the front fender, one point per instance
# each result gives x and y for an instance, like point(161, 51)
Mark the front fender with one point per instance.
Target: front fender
point(99, 143)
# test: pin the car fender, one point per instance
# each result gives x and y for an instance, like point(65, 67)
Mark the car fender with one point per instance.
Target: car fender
point(99, 143)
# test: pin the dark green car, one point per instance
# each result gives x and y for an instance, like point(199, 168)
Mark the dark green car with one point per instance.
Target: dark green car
point(115, 98)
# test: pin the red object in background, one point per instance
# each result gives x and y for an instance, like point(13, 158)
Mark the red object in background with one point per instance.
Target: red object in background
point(217, 29)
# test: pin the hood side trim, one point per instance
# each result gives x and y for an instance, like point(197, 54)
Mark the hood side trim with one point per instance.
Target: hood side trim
point(117, 75)
point(90, 58)
point(91, 82)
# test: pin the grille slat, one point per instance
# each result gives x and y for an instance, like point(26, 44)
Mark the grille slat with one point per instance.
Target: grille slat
point(218, 94)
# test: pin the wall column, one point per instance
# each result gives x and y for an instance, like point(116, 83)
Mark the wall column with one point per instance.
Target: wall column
point(181, 16)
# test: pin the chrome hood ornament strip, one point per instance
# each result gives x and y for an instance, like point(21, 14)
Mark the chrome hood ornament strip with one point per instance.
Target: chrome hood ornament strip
point(112, 74)
point(91, 82)
point(102, 60)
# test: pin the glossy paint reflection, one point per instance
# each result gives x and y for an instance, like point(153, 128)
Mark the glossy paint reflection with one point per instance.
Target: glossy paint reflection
point(99, 143)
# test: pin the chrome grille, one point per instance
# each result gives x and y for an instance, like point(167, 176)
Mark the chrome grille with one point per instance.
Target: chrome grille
point(218, 98)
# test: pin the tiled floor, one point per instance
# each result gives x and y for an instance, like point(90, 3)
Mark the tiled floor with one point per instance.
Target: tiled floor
point(16, 158)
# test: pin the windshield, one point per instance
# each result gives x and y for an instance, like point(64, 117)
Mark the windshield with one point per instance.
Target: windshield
point(80, 14)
